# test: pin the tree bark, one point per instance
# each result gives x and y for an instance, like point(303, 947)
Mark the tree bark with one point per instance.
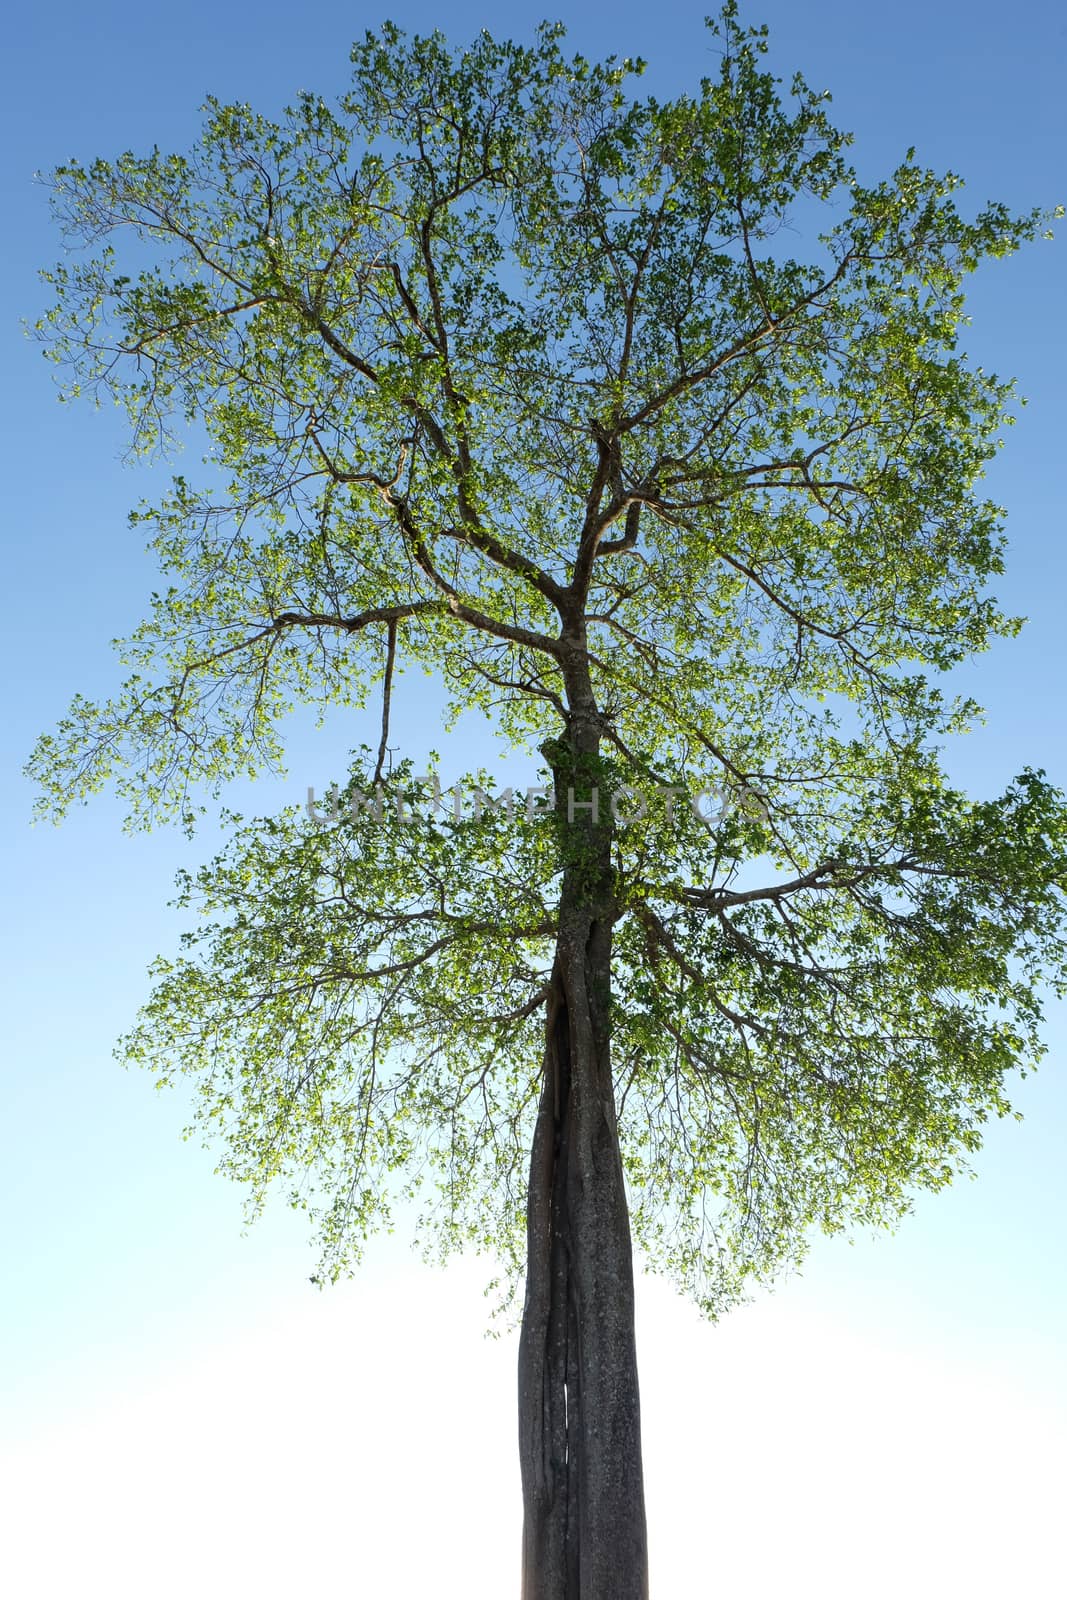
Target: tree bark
point(579, 1415)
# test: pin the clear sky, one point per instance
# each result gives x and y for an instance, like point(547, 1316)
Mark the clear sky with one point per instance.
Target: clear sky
point(183, 1413)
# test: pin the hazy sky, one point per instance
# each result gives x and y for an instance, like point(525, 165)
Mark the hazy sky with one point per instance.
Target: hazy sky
point(183, 1413)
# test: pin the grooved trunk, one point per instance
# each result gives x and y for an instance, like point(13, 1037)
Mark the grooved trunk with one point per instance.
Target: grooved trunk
point(579, 1416)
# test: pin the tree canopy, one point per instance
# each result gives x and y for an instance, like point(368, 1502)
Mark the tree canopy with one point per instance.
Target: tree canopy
point(513, 372)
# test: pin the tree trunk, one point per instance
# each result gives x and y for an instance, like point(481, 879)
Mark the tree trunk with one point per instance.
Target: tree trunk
point(579, 1415)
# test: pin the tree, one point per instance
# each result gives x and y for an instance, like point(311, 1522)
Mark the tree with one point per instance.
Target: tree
point(505, 371)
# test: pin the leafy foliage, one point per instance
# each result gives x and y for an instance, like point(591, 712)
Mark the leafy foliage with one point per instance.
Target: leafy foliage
point(496, 355)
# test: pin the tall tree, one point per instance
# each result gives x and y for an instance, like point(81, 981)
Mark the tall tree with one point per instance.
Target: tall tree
point(510, 371)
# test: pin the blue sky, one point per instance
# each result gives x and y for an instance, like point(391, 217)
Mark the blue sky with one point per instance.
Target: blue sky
point(182, 1412)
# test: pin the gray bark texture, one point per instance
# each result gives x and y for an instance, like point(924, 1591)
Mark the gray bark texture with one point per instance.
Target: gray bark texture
point(579, 1414)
